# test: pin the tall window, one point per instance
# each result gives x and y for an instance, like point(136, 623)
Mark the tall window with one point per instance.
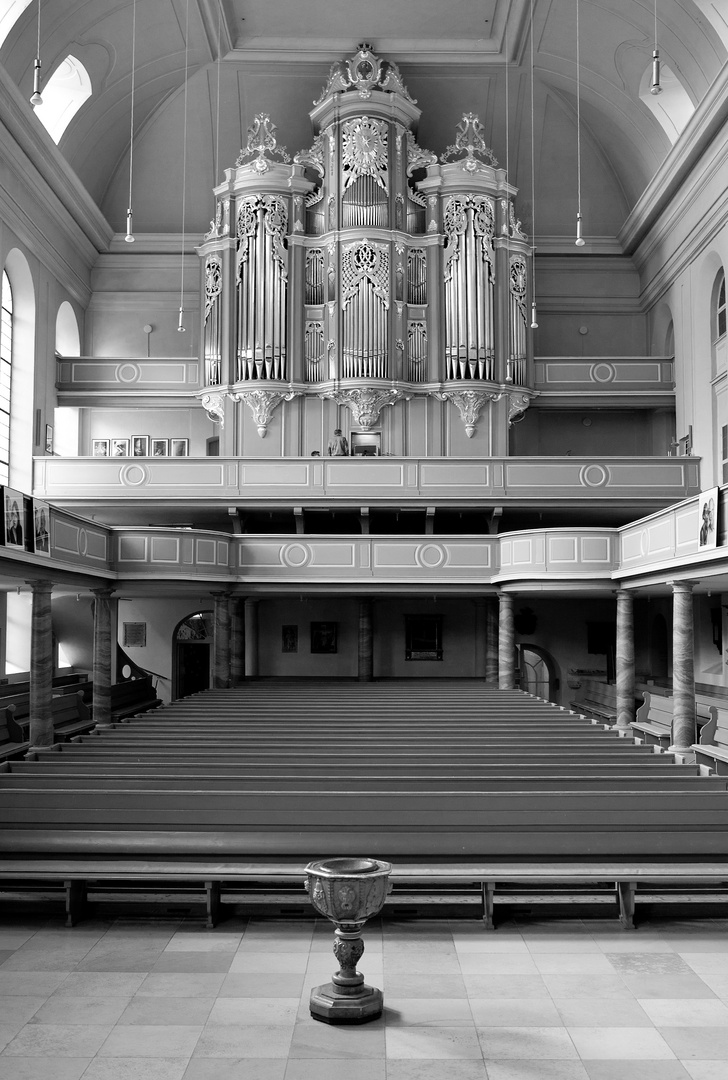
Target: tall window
point(6, 356)
point(719, 322)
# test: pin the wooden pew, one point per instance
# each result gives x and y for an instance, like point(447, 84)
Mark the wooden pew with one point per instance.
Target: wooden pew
point(711, 750)
point(133, 697)
point(653, 721)
point(70, 714)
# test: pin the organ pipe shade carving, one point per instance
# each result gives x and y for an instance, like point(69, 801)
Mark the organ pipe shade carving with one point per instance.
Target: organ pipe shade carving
point(469, 223)
point(365, 279)
point(261, 317)
point(518, 319)
point(416, 276)
point(213, 324)
point(314, 352)
point(417, 352)
point(314, 276)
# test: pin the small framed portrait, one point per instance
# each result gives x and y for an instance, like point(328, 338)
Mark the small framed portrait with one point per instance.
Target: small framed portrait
point(41, 527)
point(179, 447)
point(49, 439)
point(289, 639)
point(140, 446)
point(119, 448)
point(14, 509)
point(324, 637)
point(160, 447)
point(100, 447)
point(708, 519)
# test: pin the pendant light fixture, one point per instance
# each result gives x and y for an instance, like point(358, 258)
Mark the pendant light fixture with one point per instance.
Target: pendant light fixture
point(509, 373)
point(36, 99)
point(579, 238)
point(129, 213)
point(180, 322)
point(655, 87)
point(534, 318)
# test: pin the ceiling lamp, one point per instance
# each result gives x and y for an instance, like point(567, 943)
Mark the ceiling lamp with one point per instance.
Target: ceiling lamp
point(36, 99)
point(180, 322)
point(579, 238)
point(129, 235)
point(655, 87)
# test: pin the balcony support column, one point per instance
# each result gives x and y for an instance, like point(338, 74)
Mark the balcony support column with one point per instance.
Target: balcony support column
point(506, 643)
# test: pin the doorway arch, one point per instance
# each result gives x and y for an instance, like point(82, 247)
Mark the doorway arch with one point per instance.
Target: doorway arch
point(192, 654)
point(538, 672)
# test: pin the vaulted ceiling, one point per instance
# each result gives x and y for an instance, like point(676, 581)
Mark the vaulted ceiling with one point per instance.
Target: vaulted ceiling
point(455, 56)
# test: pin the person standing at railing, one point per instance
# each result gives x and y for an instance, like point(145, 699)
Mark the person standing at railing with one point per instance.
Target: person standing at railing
point(338, 445)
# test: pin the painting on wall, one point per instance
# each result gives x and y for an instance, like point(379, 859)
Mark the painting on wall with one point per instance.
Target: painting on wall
point(119, 448)
point(41, 528)
point(140, 446)
point(135, 635)
point(100, 447)
point(324, 637)
point(179, 447)
point(423, 637)
point(289, 639)
point(160, 447)
point(14, 517)
point(708, 519)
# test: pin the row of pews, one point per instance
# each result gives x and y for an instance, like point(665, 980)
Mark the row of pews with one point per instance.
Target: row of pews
point(460, 785)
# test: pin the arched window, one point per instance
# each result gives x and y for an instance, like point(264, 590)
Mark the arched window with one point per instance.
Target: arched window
point(63, 95)
point(6, 359)
point(719, 308)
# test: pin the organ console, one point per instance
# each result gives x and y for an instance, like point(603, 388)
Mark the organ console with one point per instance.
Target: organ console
point(365, 269)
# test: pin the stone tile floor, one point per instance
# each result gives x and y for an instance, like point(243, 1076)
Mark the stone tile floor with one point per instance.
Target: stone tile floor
point(153, 998)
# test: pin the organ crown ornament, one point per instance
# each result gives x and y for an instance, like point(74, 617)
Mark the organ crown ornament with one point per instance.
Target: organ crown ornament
point(363, 73)
point(469, 141)
point(262, 143)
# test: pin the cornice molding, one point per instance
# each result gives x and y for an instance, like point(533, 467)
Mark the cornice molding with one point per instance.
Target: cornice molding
point(702, 128)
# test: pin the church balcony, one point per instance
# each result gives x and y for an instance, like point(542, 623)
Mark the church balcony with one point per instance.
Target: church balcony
point(645, 483)
point(595, 380)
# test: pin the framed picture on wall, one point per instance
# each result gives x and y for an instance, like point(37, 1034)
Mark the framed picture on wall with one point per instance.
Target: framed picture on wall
point(14, 518)
point(324, 637)
point(119, 448)
point(160, 447)
point(135, 635)
point(100, 447)
point(140, 446)
point(708, 519)
point(289, 639)
point(41, 518)
point(179, 447)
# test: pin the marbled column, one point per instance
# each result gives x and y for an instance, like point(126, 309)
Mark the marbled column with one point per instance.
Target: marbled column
point(491, 640)
point(102, 656)
point(221, 641)
point(41, 665)
point(237, 642)
point(506, 643)
point(480, 636)
point(366, 641)
point(683, 675)
point(625, 659)
point(251, 638)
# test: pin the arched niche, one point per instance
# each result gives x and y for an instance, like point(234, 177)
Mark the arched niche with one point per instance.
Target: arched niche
point(21, 391)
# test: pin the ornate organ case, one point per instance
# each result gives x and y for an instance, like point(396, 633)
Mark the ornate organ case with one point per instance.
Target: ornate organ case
point(368, 273)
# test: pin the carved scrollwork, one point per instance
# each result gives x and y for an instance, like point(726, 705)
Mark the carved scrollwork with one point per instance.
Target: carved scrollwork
point(469, 141)
point(213, 281)
point(262, 404)
point(517, 405)
point(363, 73)
point(364, 150)
point(261, 144)
point(214, 406)
point(366, 402)
point(364, 260)
point(468, 403)
point(216, 224)
point(417, 157)
point(517, 232)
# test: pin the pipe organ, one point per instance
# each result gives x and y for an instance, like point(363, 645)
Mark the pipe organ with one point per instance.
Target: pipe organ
point(366, 269)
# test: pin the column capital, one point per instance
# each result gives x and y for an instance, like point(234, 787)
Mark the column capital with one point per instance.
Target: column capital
point(104, 591)
point(41, 585)
point(223, 594)
point(683, 585)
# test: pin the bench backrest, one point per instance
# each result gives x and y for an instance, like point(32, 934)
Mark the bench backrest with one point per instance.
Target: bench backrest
point(65, 709)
